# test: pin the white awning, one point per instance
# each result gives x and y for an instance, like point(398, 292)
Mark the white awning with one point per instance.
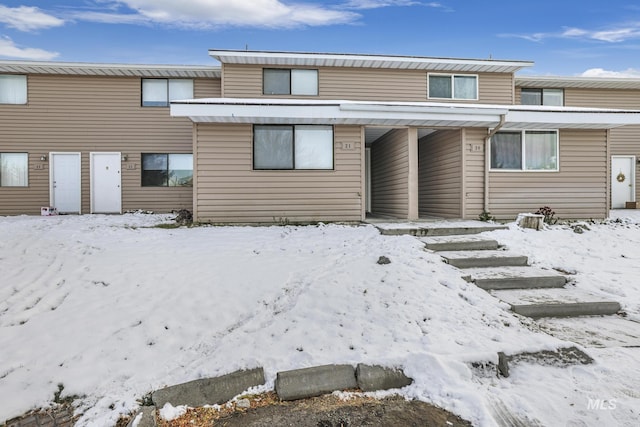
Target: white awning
point(418, 114)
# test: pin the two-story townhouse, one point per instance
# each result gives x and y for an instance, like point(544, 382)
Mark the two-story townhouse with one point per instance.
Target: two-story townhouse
point(312, 137)
point(96, 137)
point(596, 92)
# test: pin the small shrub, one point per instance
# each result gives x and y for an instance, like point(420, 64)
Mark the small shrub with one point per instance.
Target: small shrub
point(486, 216)
point(549, 215)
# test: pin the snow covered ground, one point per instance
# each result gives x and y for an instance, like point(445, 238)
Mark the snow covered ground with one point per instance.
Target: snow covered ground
point(112, 308)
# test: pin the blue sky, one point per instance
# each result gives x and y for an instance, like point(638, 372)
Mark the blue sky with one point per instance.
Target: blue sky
point(586, 37)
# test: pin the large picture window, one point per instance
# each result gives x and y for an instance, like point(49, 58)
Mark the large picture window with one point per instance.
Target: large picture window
point(529, 150)
point(554, 97)
point(13, 89)
point(167, 170)
point(284, 81)
point(160, 92)
point(292, 147)
point(14, 169)
point(453, 86)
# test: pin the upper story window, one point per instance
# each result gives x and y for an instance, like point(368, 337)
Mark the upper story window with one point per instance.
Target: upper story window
point(14, 169)
point(553, 97)
point(167, 170)
point(453, 86)
point(13, 89)
point(284, 81)
point(527, 150)
point(160, 92)
point(292, 147)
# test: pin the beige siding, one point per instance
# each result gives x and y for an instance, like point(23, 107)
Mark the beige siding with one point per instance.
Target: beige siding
point(85, 114)
point(473, 196)
point(245, 81)
point(578, 190)
point(440, 174)
point(390, 175)
point(229, 190)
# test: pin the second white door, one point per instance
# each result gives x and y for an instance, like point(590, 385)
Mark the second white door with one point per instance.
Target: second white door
point(623, 180)
point(106, 191)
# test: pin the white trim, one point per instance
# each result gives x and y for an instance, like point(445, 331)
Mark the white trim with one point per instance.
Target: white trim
point(51, 172)
point(453, 86)
point(295, 59)
point(523, 153)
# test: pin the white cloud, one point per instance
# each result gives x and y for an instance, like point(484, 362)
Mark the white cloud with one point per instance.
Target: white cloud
point(25, 18)
point(600, 72)
point(205, 14)
point(376, 4)
point(612, 35)
point(9, 49)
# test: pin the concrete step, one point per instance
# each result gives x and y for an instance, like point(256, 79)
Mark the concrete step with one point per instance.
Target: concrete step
point(440, 228)
point(515, 278)
point(480, 259)
point(460, 243)
point(565, 302)
point(594, 331)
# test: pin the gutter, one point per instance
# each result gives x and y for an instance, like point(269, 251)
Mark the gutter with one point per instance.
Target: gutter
point(487, 159)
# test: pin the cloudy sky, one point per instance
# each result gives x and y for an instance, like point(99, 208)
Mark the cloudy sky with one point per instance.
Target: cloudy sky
point(562, 37)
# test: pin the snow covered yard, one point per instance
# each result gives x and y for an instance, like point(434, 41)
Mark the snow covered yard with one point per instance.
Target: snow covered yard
point(113, 308)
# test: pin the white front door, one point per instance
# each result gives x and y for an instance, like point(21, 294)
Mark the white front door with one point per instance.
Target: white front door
point(106, 195)
point(623, 181)
point(64, 178)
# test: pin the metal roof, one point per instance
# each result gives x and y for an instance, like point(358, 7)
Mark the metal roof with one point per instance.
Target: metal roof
point(303, 59)
point(419, 114)
point(97, 69)
point(578, 82)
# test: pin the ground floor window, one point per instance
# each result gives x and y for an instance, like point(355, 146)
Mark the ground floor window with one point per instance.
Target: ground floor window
point(292, 147)
point(14, 169)
point(167, 170)
point(529, 150)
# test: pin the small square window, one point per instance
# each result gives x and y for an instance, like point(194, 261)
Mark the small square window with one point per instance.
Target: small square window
point(14, 169)
point(13, 89)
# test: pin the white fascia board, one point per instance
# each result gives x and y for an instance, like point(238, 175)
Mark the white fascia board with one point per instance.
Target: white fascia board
point(570, 119)
point(337, 114)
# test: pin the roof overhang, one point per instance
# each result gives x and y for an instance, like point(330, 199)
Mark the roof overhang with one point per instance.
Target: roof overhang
point(577, 82)
point(419, 114)
point(98, 69)
point(304, 59)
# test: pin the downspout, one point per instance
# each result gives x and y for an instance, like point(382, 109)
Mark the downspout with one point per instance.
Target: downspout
point(487, 159)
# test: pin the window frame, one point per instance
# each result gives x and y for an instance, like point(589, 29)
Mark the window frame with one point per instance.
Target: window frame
point(542, 90)
point(291, 83)
point(167, 170)
point(452, 76)
point(26, 154)
point(293, 149)
point(522, 169)
point(25, 78)
point(167, 91)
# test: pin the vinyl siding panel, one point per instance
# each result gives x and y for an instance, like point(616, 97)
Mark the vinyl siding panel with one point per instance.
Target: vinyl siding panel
point(230, 191)
point(440, 174)
point(473, 172)
point(364, 84)
point(390, 175)
point(577, 191)
point(91, 113)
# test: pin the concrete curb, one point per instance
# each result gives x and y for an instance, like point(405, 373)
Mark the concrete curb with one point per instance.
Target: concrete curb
point(316, 381)
point(209, 391)
point(373, 378)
